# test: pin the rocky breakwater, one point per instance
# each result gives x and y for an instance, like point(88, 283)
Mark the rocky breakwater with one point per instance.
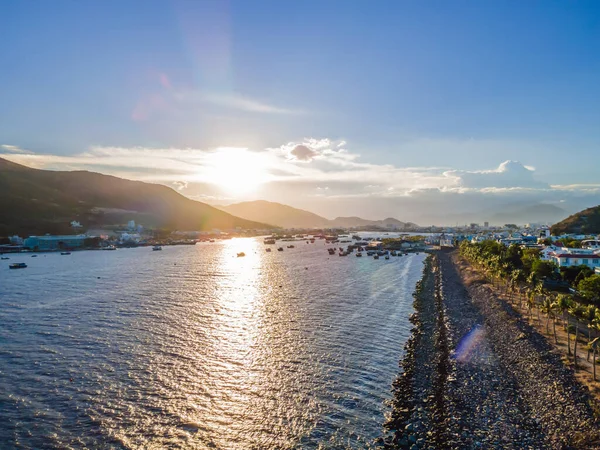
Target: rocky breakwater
point(476, 376)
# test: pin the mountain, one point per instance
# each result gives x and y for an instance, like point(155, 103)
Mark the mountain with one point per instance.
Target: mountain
point(277, 214)
point(288, 217)
point(350, 222)
point(42, 201)
point(539, 213)
point(584, 222)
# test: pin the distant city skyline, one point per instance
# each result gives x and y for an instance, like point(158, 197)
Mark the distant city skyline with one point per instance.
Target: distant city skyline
point(395, 109)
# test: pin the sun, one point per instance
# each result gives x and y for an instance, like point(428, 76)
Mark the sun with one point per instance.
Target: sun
point(237, 170)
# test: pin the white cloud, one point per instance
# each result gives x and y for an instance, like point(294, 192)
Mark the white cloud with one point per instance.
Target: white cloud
point(509, 174)
point(322, 175)
point(235, 101)
point(171, 100)
point(180, 185)
point(301, 152)
point(6, 148)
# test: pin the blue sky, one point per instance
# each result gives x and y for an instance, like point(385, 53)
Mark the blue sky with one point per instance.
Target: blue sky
point(459, 85)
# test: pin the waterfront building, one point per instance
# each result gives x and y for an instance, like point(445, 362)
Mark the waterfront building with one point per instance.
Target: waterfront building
point(48, 242)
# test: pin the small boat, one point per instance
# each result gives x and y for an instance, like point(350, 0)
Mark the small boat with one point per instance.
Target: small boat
point(156, 248)
point(34, 256)
point(376, 257)
point(18, 266)
point(393, 253)
point(240, 254)
point(387, 256)
point(290, 246)
point(358, 254)
point(4, 258)
point(280, 249)
point(268, 250)
point(110, 247)
point(65, 253)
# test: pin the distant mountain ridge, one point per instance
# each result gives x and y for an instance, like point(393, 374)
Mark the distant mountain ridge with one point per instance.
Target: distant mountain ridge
point(583, 222)
point(289, 217)
point(37, 201)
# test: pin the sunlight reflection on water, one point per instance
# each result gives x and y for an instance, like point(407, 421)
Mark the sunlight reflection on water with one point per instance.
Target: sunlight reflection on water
point(193, 347)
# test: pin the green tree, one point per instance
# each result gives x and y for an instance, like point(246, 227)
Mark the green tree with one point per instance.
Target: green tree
point(589, 288)
point(574, 274)
point(543, 269)
point(528, 257)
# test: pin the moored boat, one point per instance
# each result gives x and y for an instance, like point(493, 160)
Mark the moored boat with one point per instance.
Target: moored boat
point(280, 249)
point(65, 253)
point(240, 254)
point(358, 254)
point(18, 266)
point(268, 250)
point(156, 248)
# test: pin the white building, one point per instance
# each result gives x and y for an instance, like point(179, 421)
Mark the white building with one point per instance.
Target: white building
point(567, 257)
point(593, 244)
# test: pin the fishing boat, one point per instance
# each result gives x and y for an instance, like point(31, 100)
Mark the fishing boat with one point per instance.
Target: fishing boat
point(156, 248)
point(240, 254)
point(18, 266)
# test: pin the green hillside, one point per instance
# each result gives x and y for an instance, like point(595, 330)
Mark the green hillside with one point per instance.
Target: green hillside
point(42, 201)
point(584, 222)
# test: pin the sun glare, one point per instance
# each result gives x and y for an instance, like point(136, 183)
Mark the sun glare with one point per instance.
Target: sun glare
point(236, 170)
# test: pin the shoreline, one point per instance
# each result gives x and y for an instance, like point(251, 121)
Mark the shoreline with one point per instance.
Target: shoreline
point(474, 375)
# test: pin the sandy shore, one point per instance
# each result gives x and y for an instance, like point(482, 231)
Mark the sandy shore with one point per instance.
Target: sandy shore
point(475, 375)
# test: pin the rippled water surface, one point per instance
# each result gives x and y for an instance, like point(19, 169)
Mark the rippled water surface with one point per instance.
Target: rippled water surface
point(192, 347)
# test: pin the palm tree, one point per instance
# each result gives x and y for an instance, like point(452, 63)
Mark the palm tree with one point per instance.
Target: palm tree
point(563, 302)
point(547, 308)
point(590, 315)
point(530, 304)
point(593, 345)
point(576, 310)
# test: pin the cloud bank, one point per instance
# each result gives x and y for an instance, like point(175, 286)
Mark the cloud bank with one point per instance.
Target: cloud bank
point(322, 175)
